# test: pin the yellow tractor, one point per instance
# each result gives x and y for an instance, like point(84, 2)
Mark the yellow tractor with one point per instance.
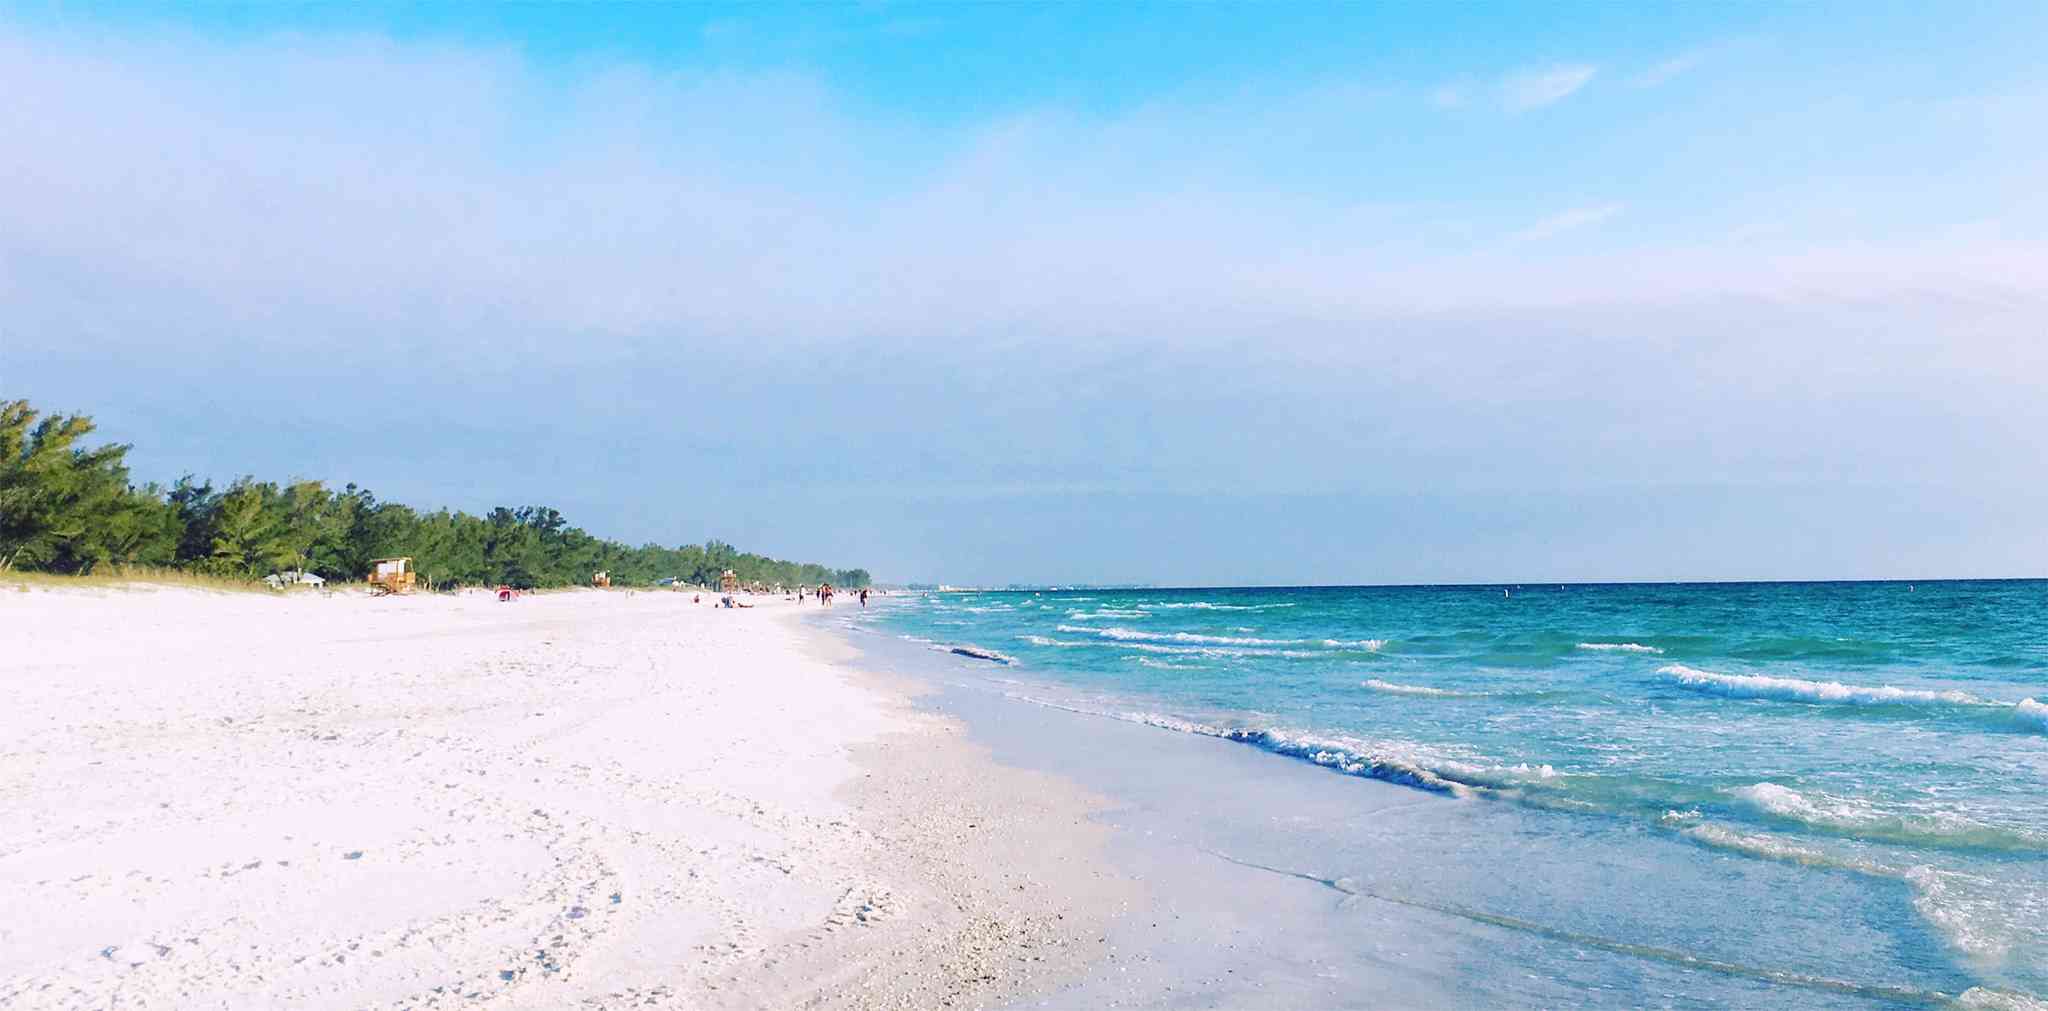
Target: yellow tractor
point(392, 575)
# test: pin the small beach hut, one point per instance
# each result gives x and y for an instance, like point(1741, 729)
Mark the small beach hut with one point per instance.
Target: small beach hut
point(728, 582)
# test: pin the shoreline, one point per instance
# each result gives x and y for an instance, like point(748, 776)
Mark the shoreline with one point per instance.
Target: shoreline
point(1272, 881)
point(594, 799)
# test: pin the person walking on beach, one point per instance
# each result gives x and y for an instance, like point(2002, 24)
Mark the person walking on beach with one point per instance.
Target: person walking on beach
point(863, 596)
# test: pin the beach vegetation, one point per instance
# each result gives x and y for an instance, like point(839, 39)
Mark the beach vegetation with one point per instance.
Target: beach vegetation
point(69, 509)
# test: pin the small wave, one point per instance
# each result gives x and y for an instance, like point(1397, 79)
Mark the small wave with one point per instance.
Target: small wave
point(1106, 612)
point(979, 653)
point(1619, 647)
point(1174, 650)
point(1400, 763)
point(1768, 847)
point(1759, 686)
point(2026, 714)
point(1975, 915)
point(1860, 819)
point(1979, 998)
point(1369, 645)
point(1353, 758)
point(1146, 661)
point(1203, 605)
point(1133, 635)
point(1394, 688)
point(1984, 917)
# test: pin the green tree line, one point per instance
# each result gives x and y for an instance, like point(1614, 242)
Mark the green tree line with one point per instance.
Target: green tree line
point(68, 508)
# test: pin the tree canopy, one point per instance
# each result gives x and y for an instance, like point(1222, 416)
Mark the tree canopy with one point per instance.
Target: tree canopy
point(68, 508)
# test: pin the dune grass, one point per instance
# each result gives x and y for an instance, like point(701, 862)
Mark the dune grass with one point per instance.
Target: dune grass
point(117, 577)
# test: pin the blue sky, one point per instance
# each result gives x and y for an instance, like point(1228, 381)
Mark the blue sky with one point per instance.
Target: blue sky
point(1195, 294)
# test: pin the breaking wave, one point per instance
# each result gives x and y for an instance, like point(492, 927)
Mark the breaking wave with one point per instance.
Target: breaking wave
point(1393, 688)
point(1173, 650)
point(1400, 763)
point(1133, 635)
point(1974, 914)
point(1203, 605)
point(1146, 661)
point(980, 653)
point(1769, 847)
point(2026, 714)
point(1860, 819)
point(1758, 686)
point(1369, 645)
point(1619, 647)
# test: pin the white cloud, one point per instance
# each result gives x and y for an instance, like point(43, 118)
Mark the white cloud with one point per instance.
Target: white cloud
point(1566, 221)
point(1532, 89)
point(1668, 69)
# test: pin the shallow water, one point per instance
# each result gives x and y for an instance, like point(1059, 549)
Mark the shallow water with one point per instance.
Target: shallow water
point(1833, 791)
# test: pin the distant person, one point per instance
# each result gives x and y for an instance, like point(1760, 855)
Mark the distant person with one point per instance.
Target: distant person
point(863, 596)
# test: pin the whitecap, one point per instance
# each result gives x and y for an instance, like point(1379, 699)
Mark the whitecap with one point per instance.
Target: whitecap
point(1203, 605)
point(1619, 647)
point(1369, 645)
point(1134, 635)
point(1172, 650)
point(1395, 688)
point(1759, 686)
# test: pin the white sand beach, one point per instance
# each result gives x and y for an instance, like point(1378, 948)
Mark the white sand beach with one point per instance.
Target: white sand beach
point(581, 799)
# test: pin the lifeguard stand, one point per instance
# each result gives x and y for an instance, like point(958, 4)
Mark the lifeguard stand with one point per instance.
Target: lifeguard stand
point(392, 575)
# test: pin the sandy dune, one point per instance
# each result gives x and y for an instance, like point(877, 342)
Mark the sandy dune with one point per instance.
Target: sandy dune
point(574, 800)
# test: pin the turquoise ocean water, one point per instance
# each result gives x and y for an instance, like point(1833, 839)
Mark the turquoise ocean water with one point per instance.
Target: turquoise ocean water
point(1839, 786)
